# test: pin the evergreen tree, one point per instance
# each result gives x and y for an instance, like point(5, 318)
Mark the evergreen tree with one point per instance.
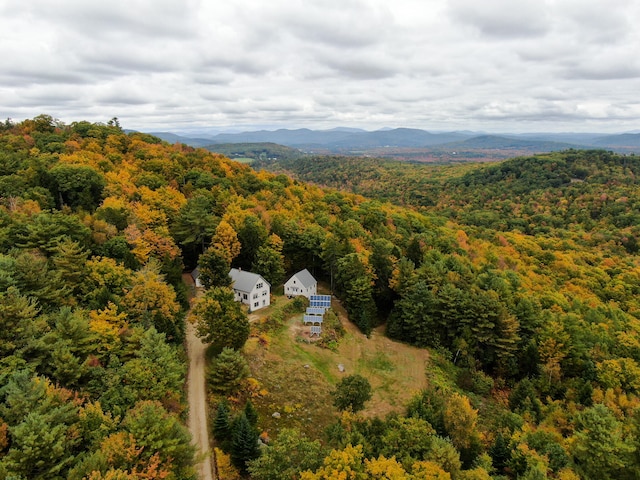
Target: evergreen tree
point(228, 371)
point(523, 398)
point(42, 423)
point(355, 280)
point(196, 224)
point(599, 448)
point(69, 259)
point(222, 425)
point(156, 372)
point(18, 324)
point(244, 444)
point(500, 453)
point(161, 436)
point(251, 413)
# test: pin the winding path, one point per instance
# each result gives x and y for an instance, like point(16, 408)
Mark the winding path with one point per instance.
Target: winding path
point(196, 392)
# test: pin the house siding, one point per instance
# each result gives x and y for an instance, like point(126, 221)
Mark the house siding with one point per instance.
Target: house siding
point(294, 287)
point(258, 297)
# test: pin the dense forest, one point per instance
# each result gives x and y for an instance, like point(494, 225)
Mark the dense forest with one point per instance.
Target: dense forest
point(522, 276)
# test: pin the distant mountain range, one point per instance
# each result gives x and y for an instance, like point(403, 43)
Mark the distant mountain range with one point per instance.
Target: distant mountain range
point(349, 140)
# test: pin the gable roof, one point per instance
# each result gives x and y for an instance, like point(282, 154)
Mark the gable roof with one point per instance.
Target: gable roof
point(305, 278)
point(245, 281)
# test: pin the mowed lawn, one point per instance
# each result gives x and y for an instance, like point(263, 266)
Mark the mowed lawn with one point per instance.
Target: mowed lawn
point(296, 376)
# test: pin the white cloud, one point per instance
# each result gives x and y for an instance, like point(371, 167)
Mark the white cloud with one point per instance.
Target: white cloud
point(503, 18)
point(459, 64)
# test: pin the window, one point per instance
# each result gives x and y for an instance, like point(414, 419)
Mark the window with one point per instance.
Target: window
point(256, 304)
point(255, 295)
point(264, 294)
point(244, 296)
point(260, 285)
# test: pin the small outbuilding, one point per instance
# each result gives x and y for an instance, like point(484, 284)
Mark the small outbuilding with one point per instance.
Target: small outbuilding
point(251, 289)
point(301, 283)
point(195, 274)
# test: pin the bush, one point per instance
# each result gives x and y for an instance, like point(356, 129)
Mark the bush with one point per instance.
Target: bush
point(475, 381)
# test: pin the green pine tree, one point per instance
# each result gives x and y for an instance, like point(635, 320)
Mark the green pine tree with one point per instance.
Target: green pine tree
point(228, 371)
point(244, 444)
point(222, 425)
point(251, 413)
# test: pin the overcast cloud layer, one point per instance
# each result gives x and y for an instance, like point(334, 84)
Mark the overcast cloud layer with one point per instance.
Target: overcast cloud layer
point(496, 65)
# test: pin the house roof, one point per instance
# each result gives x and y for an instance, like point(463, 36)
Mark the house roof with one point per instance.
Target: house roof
point(195, 273)
point(305, 278)
point(245, 281)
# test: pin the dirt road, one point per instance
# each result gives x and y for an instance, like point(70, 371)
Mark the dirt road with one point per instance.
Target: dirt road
point(198, 403)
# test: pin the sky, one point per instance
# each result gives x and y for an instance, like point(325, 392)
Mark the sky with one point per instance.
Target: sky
point(439, 65)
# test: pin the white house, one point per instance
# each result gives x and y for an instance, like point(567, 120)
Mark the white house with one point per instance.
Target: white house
point(250, 289)
point(301, 283)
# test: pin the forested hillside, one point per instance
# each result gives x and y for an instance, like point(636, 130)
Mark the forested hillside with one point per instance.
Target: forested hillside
point(535, 281)
point(523, 276)
point(398, 182)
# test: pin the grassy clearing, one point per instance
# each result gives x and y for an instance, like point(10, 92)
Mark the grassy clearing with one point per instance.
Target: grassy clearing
point(297, 375)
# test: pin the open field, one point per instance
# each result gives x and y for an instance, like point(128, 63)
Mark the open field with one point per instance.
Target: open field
point(296, 376)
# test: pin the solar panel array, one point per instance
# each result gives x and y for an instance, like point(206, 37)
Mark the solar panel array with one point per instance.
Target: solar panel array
point(319, 304)
point(320, 301)
point(320, 297)
point(312, 319)
point(315, 310)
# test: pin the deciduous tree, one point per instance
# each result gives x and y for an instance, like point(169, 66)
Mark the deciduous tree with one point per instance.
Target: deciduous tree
point(214, 268)
point(220, 320)
point(287, 456)
point(351, 393)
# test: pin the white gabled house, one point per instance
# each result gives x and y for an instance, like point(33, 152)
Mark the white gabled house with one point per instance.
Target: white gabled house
point(301, 283)
point(251, 289)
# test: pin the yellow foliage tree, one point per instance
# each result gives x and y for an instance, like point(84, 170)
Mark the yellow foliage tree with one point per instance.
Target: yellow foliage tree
point(145, 216)
point(429, 471)
point(149, 243)
point(107, 273)
point(340, 465)
point(460, 421)
point(150, 298)
point(225, 240)
point(384, 468)
point(224, 467)
point(108, 324)
point(166, 199)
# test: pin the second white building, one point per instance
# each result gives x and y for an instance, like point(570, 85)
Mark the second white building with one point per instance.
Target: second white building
point(251, 289)
point(302, 283)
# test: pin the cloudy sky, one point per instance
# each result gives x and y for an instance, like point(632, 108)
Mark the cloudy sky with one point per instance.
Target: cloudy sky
point(493, 65)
